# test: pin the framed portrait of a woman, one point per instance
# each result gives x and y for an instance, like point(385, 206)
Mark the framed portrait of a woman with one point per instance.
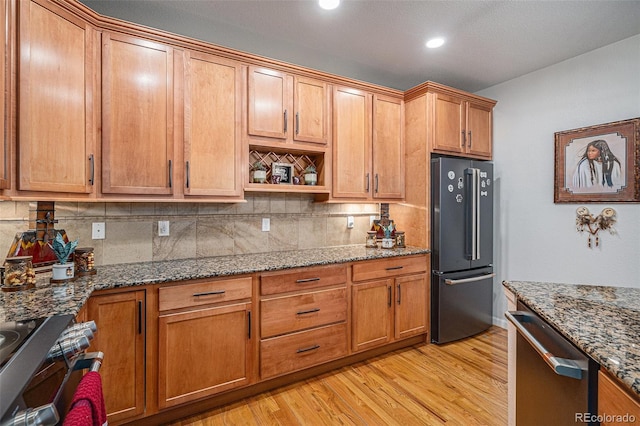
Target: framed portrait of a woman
point(598, 163)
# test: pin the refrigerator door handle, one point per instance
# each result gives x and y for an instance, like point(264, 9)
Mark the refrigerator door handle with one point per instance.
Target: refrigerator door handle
point(473, 217)
point(468, 280)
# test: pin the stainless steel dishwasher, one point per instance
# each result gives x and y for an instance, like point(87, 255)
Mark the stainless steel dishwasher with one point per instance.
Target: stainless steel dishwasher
point(556, 383)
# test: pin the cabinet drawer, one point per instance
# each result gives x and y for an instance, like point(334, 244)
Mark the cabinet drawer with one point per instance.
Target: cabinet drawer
point(382, 268)
point(284, 354)
point(204, 293)
point(298, 312)
point(303, 279)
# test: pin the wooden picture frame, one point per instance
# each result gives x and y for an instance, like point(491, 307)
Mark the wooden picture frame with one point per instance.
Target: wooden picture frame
point(598, 164)
point(284, 170)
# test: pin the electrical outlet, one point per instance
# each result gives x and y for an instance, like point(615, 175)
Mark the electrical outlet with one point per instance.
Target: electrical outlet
point(350, 222)
point(163, 228)
point(98, 231)
point(266, 224)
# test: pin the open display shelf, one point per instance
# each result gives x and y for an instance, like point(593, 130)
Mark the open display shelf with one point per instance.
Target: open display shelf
point(298, 161)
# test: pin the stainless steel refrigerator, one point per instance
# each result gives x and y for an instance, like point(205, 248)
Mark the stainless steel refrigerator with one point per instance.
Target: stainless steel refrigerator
point(462, 248)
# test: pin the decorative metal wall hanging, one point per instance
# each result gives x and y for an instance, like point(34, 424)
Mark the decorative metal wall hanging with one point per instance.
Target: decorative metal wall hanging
point(585, 221)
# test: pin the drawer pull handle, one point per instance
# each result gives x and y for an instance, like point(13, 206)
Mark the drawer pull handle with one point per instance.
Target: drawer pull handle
point(307, 280)
point(310, 311)
point(310, 348)
point(209, 293)
point(393, 268)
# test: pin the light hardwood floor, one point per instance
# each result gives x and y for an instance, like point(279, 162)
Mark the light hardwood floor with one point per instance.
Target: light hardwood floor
point(460, 383)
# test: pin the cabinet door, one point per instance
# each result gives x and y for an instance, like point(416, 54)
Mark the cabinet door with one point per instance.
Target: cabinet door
point(412, 302)
point(121, 334)
point(388, 148)
point(4, 143)
point(449, 132)
point(269, 95)
point(479, 130)
point(351, 143)
point(311, 120)
point(212, 108)
point(55, 102)
point(202, 352)
point(372, 308)
point(137, 116)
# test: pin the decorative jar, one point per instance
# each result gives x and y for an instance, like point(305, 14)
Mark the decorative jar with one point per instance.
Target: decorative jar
point(400, 239)
point(371, 240)
point(84, 260)
point(18, 274)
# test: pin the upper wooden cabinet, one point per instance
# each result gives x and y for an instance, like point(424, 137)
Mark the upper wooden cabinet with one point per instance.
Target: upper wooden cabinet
point(212, 116)
point(286, 109)
point(458, 123)
point(137, 116)
point(56, 125)
point(368, 146)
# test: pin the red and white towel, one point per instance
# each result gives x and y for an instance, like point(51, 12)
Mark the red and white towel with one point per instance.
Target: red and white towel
point(87, 406)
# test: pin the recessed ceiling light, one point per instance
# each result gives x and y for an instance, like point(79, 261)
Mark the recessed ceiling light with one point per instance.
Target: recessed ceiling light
point(435, 42)
point(329, 4)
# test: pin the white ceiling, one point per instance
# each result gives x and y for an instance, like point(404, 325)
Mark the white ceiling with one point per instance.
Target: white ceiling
point(382, 41)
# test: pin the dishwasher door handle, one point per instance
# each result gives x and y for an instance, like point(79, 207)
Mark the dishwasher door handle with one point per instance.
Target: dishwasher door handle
point(561, 366)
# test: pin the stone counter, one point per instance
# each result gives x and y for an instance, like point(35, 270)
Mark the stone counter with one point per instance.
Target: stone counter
point(53, 299)
point(602, 321)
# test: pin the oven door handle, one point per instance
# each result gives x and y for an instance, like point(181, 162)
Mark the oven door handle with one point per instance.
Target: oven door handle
point(561, 366)
point(91, 360)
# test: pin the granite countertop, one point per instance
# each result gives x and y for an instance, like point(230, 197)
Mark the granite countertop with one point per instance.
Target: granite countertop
point(602, 321)
point(57, 299)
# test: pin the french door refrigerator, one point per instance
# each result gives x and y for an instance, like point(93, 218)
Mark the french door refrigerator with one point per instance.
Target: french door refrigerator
point(461, 248)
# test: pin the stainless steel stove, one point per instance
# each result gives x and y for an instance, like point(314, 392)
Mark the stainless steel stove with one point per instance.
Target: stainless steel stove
point(40, 363)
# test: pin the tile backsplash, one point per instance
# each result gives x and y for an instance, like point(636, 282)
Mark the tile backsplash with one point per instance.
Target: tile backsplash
point(198, 229)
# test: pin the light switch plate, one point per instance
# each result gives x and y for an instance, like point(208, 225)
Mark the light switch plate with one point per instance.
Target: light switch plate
point(350, 222)
point(266, 224)
point(163, 228)
point(98, 231)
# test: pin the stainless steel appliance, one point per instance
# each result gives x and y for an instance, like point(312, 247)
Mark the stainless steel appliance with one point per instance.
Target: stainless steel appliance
point(556, 383)
point(461, 247)
point(40, 367)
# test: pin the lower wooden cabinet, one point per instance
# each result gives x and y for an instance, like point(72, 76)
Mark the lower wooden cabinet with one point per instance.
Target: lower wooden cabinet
point(204, 339)
point(121, 336)
point(616, 406)
point(392, 308)
point(202, 352)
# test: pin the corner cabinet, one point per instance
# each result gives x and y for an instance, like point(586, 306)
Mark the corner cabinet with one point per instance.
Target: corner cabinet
point(368, 146)
point(390, 301)
point(121, 335)
point(137, 116)
point(212, 116)
point(57, 68)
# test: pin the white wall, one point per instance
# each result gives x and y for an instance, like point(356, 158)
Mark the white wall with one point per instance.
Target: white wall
point(536, 240)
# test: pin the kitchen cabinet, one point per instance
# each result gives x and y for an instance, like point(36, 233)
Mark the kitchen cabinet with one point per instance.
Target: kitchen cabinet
point(453, 122)
point(616, 405)
point(119, 317)
point(212, 115)
point(205, 339)
point(303, 319)
point(287, 108)
point(512, 335)
point(5, 154)
point(57, 123)
point(368, 146)
point(137, 116)
point(389, 301)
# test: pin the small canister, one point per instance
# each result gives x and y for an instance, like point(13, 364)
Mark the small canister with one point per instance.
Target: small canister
point(18, 274)
point(84, 260)
point(371, 239)
point(400, 239)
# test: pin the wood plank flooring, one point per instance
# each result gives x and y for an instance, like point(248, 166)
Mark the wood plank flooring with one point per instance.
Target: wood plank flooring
point(460, 383)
